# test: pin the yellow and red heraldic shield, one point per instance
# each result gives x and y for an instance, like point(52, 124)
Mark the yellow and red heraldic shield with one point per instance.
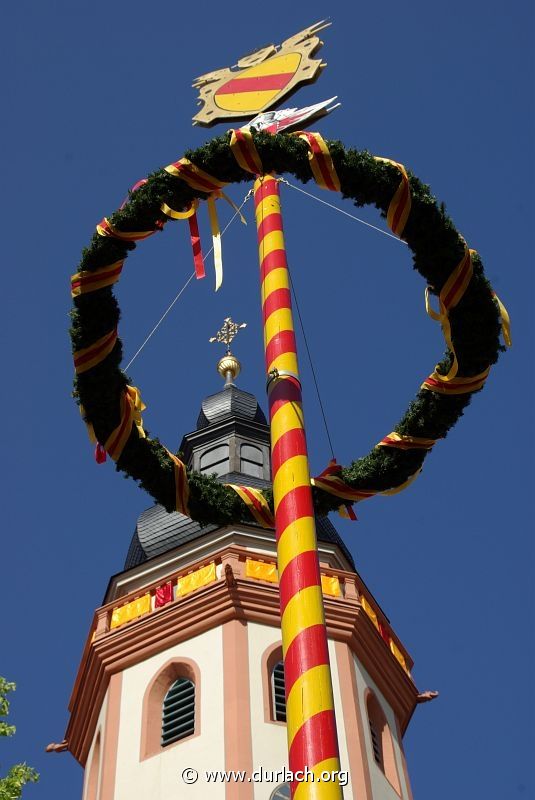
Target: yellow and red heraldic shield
point(262, 79)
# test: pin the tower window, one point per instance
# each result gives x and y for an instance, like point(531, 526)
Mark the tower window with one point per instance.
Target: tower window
point(178, 714)
point(382, 742)
point(251, 460)
point(279, 694)
point(216, 460)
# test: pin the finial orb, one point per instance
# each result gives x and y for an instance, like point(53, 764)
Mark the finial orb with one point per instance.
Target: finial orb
point(229, 367)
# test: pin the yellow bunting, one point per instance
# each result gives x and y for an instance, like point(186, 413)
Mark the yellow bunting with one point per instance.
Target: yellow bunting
point(201, 577)
point(261, 571)
point(404, 485)
point(85, 281)
point(400, 205)
point(398, 654)
point(369, 611)
point(130, 611)
point(506, 322)
point(256, 503)
point(330, 585)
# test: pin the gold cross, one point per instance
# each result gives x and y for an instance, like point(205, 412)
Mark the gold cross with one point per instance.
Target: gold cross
point(228, 332)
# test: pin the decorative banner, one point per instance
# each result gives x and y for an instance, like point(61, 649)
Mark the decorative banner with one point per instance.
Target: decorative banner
point(89, 357)
point(256, 503)
point(262, 79)
point(201, 577)
point(195, 237)
point(400, 205)
point(330, 585)
point(259, 570)
point(369, 611)
point(83, 282)
point(163, 595)
point(130, 611)
point(311, 724)
point(321, 162)
point(398, 654)
point(284, 119)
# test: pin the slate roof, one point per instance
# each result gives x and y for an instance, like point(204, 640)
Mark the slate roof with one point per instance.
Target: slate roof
point(230, 402)
point(157, 531)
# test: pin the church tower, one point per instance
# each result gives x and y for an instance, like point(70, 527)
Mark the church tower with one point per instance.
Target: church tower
point(182, 670)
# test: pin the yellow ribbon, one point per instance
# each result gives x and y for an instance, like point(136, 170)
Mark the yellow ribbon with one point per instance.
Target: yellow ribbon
point(506, 322)
point(170, 212)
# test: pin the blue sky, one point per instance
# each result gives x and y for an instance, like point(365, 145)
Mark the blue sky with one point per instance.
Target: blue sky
point(98, 94)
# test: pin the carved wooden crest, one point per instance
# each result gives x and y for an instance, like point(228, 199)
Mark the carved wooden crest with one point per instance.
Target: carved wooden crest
point(261, 79)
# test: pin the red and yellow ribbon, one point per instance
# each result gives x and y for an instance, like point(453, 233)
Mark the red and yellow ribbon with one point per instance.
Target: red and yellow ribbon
point(181, 485)
point(441, 384)
point(85, 281)
point(403, 442)
point(88, 357)
point(400, 205)
point(105, 228)
point(321, 163)
point(311, 726)
point(195, 238)
point(131, 407)
point(256, 503)
point(194, 176)
point(244, 151)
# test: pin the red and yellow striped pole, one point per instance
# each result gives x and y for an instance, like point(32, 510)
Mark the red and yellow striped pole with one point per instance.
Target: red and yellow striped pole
point(311, 726)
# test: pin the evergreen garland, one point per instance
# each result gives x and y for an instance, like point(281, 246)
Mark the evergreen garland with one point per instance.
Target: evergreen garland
point(436, 246)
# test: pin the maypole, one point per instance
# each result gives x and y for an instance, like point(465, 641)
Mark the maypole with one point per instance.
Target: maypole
point(311, 724)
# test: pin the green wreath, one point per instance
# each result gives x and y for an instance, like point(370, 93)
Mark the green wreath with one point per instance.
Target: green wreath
point(437, 249)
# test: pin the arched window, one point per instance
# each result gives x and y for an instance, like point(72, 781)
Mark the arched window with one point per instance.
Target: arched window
point(381, 741)
point(216, 460)
point(279, 695)
point(178, 712)
point(251, 460)
point(273, 686)
point(171, 707)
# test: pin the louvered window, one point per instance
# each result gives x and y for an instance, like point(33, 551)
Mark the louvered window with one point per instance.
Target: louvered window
point(376, 745)
point(178, 718)
point(279, 697)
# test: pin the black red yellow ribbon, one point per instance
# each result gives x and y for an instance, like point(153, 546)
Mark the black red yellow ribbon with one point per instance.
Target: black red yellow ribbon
point(244, 151)
point(88, 357)
point(194, 176)
point(256, 503)
point(321, 163)
point(331, 482)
